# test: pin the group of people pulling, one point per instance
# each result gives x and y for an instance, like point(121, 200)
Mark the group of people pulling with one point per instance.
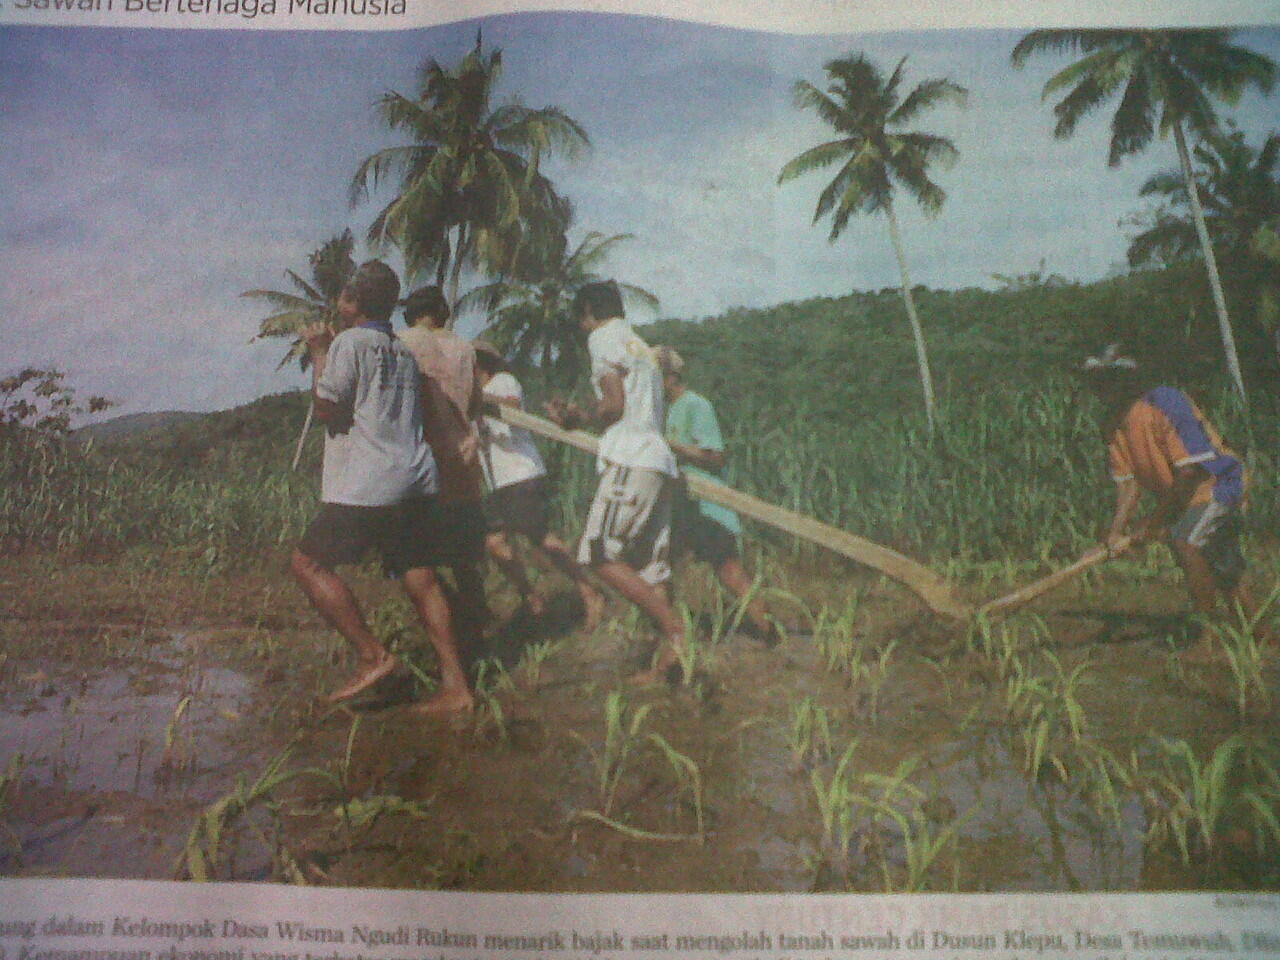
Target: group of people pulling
point(409, 455)
point(408, 458)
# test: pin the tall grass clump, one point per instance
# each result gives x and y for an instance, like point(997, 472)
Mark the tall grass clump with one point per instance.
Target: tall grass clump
point(1194, 803)
point(217, 497)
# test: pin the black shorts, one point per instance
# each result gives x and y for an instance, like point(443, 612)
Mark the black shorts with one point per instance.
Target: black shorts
point(695, 533)
point(400, 533)
point(457, 534)
point(519, 508)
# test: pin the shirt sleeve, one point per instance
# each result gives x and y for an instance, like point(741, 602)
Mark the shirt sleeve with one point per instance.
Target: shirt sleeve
point(1181, 434)
point(338, 382)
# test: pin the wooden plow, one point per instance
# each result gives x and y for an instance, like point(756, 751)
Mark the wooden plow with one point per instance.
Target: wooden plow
point(1024, 595)
point(936, 592)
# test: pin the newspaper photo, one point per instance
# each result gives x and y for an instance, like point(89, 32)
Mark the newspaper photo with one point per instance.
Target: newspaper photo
point(610, 480)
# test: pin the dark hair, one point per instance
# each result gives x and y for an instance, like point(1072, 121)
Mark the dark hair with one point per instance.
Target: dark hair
point(603, 299)
point(375, 289)
point(426, 302)
point(490, 363)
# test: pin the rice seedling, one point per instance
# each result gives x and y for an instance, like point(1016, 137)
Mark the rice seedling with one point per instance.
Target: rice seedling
point(1245, 655)
point(363, 812)
point(1104, 780)
point(688, 775)
point(532, 659)
point(809, 734)
point(1191, 803)
point(201, 858)
point(873, 676)
point(1000, 646)
point(179, 753)
point(490, 719)
point(727, 616)
point(835, 637)
point(921, 846)
point(691, 652)
point(1050, 714)
point(623, 737)
point(834, 800)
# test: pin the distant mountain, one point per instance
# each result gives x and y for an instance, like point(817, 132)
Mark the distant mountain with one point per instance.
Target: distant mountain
point(135, 423)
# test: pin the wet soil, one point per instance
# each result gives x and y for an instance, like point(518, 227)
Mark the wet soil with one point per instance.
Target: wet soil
point(135, 697)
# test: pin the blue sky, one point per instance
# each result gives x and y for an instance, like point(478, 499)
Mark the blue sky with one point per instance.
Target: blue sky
point(148, 177)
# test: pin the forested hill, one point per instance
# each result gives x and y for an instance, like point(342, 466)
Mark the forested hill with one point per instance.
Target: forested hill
point(853, 356)
point(844, 360)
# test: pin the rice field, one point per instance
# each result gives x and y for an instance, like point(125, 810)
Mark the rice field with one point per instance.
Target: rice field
point(160, 682)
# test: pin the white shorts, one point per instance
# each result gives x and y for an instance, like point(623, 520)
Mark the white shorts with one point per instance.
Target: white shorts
point(630, 522)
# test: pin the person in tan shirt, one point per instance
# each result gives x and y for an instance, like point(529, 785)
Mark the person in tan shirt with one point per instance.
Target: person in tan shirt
point(452, 391)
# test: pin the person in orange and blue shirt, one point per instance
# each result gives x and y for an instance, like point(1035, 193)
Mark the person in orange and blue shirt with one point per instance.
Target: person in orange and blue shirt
point(1159, 441)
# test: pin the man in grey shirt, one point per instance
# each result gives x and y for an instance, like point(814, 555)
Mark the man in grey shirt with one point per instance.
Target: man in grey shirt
point(378, 485)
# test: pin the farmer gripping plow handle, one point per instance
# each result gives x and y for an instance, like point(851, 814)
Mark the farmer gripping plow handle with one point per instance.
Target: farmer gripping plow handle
point(927, 585)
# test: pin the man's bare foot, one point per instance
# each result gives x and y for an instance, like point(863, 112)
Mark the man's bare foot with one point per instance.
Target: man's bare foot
point(593, 604)
point(667, 659)
point(365, 677)
point(445, 702)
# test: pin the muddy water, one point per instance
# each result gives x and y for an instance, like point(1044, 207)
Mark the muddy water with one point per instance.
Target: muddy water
point(112, 761)
point(99, 794)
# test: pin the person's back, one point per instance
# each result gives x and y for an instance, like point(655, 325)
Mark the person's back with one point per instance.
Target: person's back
point(636, 439)
point(1164, 430)
point(381, 456)
point(510, 454)
point(448, 366)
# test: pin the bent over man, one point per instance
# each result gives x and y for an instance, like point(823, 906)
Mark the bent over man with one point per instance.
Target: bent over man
point(1159, 441)
point(378, 484)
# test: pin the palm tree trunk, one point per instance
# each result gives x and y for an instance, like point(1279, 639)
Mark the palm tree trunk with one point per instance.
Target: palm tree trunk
point(455, 273)
point(922, 356)
point(306, 427)
point(1210, 264)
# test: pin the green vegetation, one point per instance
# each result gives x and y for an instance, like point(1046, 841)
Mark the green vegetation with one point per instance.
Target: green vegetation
point(876, 155)
point(1172, 74)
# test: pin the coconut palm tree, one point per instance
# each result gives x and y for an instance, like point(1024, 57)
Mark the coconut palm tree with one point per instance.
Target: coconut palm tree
point(469, 180)
point(1164, 80)
point(315, 301)
point(529, 312)
point(875, 154)
point(1239, 193)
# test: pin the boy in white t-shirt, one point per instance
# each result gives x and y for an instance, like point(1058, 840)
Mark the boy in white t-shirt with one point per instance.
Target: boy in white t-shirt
point(518, 496)
point(627, 536)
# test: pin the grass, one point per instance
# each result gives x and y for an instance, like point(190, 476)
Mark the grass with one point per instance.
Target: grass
point(623, 739)
point(202, 857)
point(1192, 802)
point(809, 733)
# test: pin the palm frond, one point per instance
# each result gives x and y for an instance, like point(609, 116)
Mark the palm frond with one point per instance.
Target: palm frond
point(928, 94)
point(816, 158)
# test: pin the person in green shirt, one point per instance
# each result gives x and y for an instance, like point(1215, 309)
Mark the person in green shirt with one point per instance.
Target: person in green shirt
point(708, 531)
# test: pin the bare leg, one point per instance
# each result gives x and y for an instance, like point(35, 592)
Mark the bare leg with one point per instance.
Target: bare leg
point(653, 601)
point(1203, 587)
point(504, 555)
point(337, 604)
point(734, 577)
point(424, 590)
point(473, 611)
point(557, 553)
